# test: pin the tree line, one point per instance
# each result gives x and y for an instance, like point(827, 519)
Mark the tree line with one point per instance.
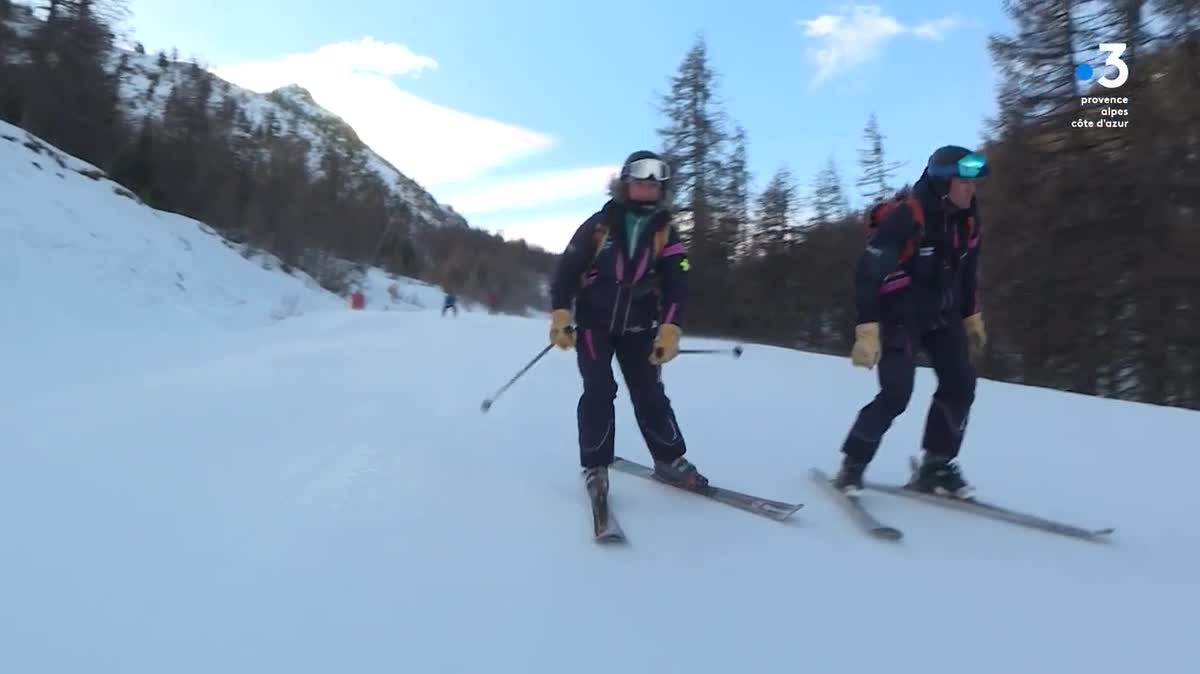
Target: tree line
point(1089, 281)
point(202, 155)
point(1089, 274)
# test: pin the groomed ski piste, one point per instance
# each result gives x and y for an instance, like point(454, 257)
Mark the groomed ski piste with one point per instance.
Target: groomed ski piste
point(215, 467)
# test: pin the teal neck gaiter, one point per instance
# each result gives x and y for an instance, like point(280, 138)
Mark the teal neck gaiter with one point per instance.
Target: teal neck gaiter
point(633, 227)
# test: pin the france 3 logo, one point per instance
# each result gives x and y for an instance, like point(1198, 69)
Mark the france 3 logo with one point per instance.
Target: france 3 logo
point(1085, 72)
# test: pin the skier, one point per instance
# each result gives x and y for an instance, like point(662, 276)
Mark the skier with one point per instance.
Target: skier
point(450, 303)
point(625, 269)
point(916, 286)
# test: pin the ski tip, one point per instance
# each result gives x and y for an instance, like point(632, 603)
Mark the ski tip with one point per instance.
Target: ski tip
point(887, 533)
point(783, 515)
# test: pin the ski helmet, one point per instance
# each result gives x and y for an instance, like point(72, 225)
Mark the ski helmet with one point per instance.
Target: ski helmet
point(953, 161)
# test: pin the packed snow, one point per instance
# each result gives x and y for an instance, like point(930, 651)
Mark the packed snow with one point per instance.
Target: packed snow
point(195, 480)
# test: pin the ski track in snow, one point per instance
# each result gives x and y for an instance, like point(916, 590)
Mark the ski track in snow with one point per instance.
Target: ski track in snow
point(191, 483)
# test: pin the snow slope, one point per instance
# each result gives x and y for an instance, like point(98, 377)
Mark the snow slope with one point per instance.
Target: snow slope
point(325, 496)
point(80, 252)
point(189, 485)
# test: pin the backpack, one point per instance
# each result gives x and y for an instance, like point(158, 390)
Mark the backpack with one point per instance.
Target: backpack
point(881, 210)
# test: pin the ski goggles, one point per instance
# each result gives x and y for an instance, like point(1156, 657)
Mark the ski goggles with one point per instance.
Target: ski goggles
point(648, 169)
point(971, 166)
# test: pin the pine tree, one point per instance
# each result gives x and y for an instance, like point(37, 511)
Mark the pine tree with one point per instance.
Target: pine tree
point(829, 202)
point(773, 223)
point(1052, 170)
point(69, 98)
point(694, 136)
point(877, 172)
point(695, 141)
point(733, 231)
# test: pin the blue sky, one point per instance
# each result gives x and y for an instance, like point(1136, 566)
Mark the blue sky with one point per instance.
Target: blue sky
point(516, 112)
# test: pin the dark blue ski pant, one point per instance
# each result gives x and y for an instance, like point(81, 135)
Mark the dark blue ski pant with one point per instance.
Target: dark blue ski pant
point(946, 421)
point(596, 412)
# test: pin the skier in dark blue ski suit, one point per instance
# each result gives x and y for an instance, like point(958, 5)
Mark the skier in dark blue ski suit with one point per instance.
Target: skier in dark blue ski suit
point(916, 287)
point(625, 271)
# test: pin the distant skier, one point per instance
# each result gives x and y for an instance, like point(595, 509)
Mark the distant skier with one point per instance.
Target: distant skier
point(626, 271)
point(916, 287)
point(450, 303)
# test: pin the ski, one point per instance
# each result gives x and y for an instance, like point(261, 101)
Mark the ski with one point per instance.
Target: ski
point(991, 510)
point(605, 527)
point(775, 510)
point(857, 511)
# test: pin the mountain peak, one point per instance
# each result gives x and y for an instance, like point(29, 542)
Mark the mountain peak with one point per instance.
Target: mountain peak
point(294, 91)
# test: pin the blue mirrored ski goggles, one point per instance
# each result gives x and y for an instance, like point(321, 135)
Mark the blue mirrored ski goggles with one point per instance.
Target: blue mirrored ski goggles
point(648, 169)
point(971, 166)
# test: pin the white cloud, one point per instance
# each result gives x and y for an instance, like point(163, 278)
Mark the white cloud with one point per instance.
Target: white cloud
point(427, 142)
point(551, 231)
point(936, 29)
point(856, 35)
point(368, 55)
point(540, 189)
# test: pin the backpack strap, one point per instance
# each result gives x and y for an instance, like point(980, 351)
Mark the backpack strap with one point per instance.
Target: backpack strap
point(914, 205)
point(660, 239)
point(918, 215)
point(881, 211)
point(599, 236)
point(661, 235)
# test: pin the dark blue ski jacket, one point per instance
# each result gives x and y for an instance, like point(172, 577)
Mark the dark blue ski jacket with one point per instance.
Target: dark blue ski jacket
point(624, 271)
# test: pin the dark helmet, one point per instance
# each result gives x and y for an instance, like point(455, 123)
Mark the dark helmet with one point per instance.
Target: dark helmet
point(953, 161)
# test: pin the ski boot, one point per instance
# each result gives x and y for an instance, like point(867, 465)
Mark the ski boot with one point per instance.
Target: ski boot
point(596, 481)
point(849, 479)
point(941, 476)
point(680, 473)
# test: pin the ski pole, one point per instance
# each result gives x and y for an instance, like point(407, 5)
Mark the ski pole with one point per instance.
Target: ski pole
point(736, 351)
point(487, 402)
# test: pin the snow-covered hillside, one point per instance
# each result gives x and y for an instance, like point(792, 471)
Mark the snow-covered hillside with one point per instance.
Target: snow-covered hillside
point(81, 253)
point(190, 485)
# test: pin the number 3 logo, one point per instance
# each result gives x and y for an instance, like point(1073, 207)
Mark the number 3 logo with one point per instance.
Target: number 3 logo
point(1114, 50)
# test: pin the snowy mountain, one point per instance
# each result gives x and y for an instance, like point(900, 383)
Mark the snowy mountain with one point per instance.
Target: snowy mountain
point(215, 466)
point(146, 83)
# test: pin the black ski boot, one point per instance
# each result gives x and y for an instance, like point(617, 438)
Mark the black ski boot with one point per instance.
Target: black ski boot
point(680, 473)
point(941, 476)
point(596, 481)
point(849, 479)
